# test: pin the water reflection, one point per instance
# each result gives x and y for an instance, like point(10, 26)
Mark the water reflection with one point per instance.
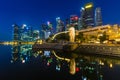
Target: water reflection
point(21, 53)
point(88, 67)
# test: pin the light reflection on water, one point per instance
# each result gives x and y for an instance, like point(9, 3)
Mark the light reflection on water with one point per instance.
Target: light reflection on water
point(66, 65)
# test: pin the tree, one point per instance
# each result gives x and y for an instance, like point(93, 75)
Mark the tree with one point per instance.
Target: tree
point(103, 37)
point(93, 37)
point(80, 37)
point(63, 36)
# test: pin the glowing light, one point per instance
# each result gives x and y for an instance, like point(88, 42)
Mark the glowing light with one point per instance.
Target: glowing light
point(24, 25)
point(85, 79)
point(57, 18)
point(27, 28)
point(76, 18)
point(48, 64)
point(88, 6)
point(11, 61)
point(77, 69)
point(58, 68)
point(23, 61)
point(47, 53)
point(109, 31)
point(111, 65)
point(101, 63)
point(72, 18)
point(39, 41)
point(82, 8)
point(48, 22)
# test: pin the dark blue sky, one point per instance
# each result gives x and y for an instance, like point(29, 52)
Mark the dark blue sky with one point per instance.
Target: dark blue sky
point(35, 12)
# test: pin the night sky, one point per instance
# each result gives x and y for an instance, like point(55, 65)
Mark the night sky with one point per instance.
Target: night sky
point(35, 12)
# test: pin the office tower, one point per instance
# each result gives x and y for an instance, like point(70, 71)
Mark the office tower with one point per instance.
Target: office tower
point(47, 34)
point(60, 25)
point(44, 27)
point(82, 18)
point(50, 27)
point(79, 24)
point(26, 33)
point(67, 21)
point(15, 48)
point(98, 17)
point(16, 35)
point(42, 34)
point(36, 34)
point(57, 24)
point(43, 30)
point(87, 15)
point(74, 21)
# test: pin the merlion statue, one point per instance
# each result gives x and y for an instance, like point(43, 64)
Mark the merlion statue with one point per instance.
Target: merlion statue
point(71, 34)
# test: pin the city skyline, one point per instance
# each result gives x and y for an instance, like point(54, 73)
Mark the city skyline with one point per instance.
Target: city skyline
point(34, 13)
point(60, 39)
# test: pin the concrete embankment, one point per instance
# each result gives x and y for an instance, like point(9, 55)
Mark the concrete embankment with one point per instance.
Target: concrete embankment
point(101, 49)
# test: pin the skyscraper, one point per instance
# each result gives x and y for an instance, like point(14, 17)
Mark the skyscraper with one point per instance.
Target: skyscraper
point(36, 34)
point(50, 27)
point(60, 25)
point(67, 22)
point(26, 33)
point(82, 18)
point(98, 17)
point(16, 32)
point(16, 37)
point(74, 21)
point(79, 24)
point(87, 15)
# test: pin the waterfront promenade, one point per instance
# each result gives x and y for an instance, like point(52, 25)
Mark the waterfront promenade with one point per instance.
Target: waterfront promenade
point(100, 49)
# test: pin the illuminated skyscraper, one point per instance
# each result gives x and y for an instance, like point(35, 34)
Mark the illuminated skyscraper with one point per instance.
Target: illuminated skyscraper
point(16, 38)
point(87, 15)
point(36, 34)
point(16, 32)
point(50, 27)
point(79, 24)
point(98, 17)
point(60, 25)
point(82, 18)
point(26, 33)
point(44, 27)
point(43, 30)
point(67, 21)
point(74, 21)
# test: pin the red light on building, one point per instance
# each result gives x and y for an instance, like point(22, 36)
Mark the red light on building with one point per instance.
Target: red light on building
point(76, 18)
point(77, 69)
point(72, 18)
point(48, 64)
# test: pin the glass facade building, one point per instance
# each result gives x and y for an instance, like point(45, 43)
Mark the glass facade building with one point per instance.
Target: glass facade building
point(98, 17)
point(87, 15)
